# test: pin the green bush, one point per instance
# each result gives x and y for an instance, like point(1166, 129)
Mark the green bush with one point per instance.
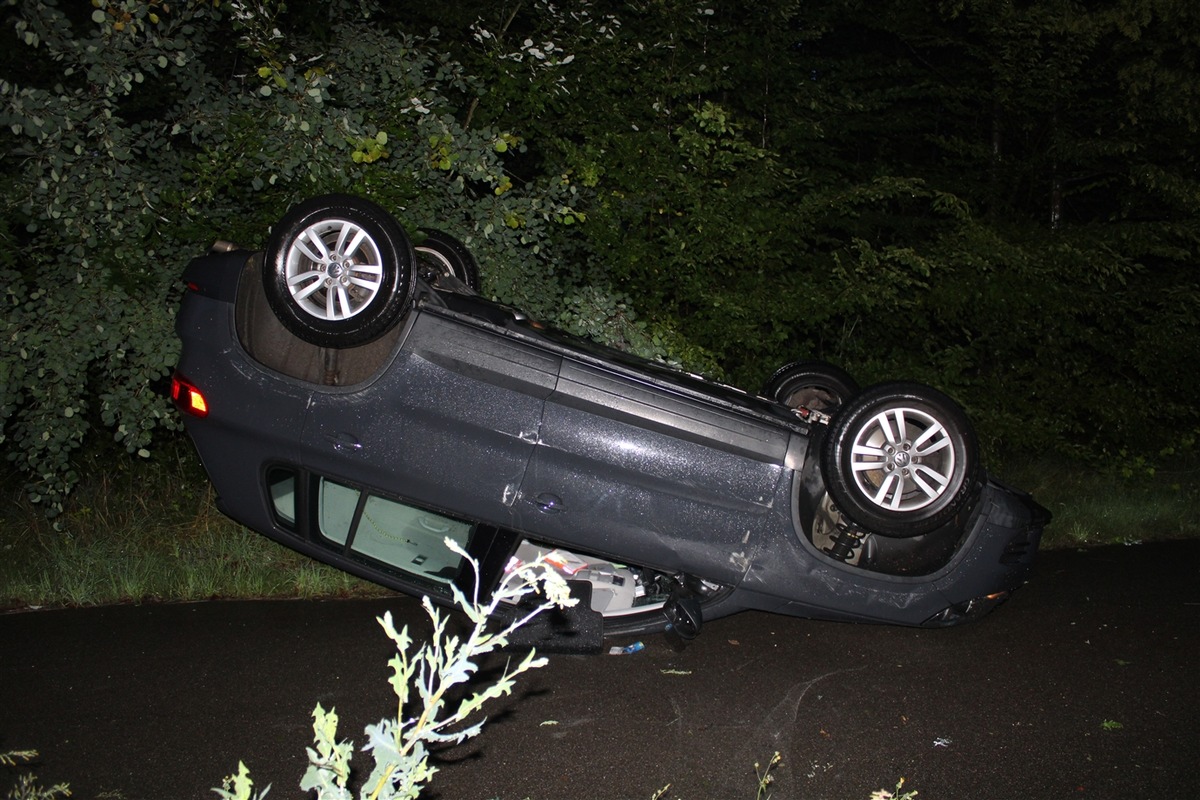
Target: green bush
point(138, 135)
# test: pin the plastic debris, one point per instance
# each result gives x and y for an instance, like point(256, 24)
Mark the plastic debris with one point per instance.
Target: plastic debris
point(624, 651)
point(566, 562)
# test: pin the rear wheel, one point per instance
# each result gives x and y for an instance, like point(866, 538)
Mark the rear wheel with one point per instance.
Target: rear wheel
point(338, 271)
point(815, 385)
point(442, 256)
point(900, 459)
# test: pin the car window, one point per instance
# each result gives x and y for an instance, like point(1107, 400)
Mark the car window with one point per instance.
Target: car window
point(281, 483)
point(411, 540)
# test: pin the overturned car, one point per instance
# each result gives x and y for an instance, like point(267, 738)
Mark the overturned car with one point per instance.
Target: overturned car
point(352, 397)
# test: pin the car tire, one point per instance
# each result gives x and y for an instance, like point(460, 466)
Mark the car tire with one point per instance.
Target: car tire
point(815, 385)
point(440, 255)
point(900, 459)
point(338, 271)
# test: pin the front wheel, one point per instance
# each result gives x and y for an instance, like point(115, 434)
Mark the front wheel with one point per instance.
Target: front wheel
point(814, 385)
point(900, 459)
point(338, 271)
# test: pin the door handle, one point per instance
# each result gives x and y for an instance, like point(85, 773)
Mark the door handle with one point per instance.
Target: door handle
point(343, 442)
point(547, 503)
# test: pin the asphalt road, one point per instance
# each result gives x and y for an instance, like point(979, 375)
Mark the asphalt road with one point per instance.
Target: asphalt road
point(1084, 685)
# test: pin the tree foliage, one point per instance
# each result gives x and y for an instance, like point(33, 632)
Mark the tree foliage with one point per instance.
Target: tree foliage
point(136, 136)
point(997, 199)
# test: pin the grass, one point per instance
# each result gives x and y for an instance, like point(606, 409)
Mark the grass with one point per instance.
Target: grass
point(1093, 507)
point(150, 532)
point(138, 532)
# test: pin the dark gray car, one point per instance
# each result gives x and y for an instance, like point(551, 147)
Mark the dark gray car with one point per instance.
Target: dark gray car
point(352, 397)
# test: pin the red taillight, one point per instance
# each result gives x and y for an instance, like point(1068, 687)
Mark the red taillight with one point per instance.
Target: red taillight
point(187, 397)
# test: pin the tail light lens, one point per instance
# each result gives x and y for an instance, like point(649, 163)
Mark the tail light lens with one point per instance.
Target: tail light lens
point(187, 397)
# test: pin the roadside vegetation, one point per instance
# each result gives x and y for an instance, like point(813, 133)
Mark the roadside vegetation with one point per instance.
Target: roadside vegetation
point(1095, 507)
point(132, 533)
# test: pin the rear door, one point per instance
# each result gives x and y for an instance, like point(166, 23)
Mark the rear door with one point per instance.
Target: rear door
point(449, 424)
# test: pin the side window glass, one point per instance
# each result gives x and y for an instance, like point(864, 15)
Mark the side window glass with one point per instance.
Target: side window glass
point(281, 483)
point(335, 510)
point(410, 540)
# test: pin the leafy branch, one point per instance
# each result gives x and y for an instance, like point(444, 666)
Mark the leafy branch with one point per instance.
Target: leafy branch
point(424, 682)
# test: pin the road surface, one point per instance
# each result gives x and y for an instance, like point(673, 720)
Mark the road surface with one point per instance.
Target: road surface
point(1084, 685)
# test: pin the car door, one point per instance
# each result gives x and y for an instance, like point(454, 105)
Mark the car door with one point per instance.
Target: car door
point(449, 424)
point(633, 470)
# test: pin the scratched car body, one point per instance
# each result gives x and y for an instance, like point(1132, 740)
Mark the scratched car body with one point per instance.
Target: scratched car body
point(353, 398)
